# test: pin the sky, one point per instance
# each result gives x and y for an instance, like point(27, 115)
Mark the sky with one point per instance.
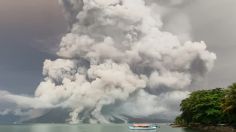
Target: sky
point(30, 32)
point(215, 22)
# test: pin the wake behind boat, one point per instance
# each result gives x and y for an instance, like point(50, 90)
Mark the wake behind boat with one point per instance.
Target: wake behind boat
point(143, 126)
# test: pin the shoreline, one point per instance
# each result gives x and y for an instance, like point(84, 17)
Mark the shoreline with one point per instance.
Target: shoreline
point(207, 128)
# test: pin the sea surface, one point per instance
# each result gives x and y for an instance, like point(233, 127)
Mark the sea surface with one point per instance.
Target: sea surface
point(84, 128)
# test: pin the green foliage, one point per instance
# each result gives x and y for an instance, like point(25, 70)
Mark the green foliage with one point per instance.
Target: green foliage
point(180, 121)
point(203, 106)
point(229, 104)
point(209, 107)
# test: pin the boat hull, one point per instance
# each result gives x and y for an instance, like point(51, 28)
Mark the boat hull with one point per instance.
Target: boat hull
point(143, 128)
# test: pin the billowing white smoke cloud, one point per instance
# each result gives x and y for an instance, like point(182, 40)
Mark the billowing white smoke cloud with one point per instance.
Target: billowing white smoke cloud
point(116, 60)
point(22, 106)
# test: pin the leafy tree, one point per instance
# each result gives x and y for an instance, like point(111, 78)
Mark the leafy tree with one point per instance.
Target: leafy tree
point(209, 107)
point(180, 121)
point(203, 106)
point(229, 104)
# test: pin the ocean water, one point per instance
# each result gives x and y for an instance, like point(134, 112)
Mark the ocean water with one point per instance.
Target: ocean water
point(83, 128)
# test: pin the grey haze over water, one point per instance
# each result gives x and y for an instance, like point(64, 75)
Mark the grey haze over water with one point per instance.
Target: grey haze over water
point(84, 128)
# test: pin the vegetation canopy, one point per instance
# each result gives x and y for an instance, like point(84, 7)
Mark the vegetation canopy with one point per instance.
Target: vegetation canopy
point(209, 107)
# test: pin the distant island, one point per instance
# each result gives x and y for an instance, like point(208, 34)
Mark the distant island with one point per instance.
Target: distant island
point(209, 109)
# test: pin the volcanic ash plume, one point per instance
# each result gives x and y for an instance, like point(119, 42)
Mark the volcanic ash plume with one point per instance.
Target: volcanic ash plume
point(117, 62)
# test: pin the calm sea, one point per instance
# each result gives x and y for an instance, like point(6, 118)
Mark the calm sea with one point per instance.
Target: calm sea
point(82, 128)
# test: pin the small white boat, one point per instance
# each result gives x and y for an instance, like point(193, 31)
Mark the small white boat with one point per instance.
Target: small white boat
point(143, 126)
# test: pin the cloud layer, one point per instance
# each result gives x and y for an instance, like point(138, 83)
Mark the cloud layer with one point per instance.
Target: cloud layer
point(117, 60)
